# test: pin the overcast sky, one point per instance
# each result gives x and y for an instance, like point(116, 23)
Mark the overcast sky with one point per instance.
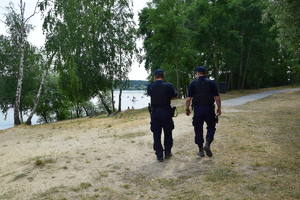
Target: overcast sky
point(36, 36)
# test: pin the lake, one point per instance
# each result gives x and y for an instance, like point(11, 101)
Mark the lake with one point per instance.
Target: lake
point(130, 99)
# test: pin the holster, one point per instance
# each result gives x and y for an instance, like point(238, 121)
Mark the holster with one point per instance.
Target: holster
point(174, 112)
point(151, 109)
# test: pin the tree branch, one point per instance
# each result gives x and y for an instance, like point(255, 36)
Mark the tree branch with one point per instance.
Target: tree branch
point(34, 12)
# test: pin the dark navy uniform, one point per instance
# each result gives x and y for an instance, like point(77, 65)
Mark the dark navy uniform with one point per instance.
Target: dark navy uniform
point(161, 94)
point(203, 91)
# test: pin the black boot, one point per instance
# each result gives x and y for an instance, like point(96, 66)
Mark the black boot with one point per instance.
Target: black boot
point(168, 154)
point(201, 152)
point(160, 157)
point(207, 148)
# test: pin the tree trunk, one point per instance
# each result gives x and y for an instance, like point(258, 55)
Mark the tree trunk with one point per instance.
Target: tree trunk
point(104, 104)
point(120, 98)
point(20, 41)
point(241, 71)
point(21, 115)
point(241, 65)
point(44, 115)
point(78, 110)
point(177, 77)
point(20, 81)
point(230, 79)
point(113, 100)
point(244, 76)
point(28, 122)
point(216, 68)
point(85, 109)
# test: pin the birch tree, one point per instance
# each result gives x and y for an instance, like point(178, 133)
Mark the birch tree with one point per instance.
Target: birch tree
point(86, 60)
point(37, 98)
point(19, 28)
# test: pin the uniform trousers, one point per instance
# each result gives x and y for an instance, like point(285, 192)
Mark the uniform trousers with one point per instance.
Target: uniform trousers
point(161, 119)
point(204, 114)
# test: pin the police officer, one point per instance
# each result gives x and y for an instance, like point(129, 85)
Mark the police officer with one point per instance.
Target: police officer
point(161, 112)
point(203, 92)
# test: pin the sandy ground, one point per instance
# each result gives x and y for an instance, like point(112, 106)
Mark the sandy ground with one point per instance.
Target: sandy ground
point(36, 161)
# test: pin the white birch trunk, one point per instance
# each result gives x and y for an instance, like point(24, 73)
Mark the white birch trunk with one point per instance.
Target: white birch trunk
point(21, 66)
point(21, 39)
point(28, 122)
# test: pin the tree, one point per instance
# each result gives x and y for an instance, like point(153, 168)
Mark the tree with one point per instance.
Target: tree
point(18, 29)
point(287, 17)
point(87, 59)
point(226, 36)
point(125, 45)
point(163, 25)
point(231, 40)
point(53, 105)
point(9, 68)
point(8, 73)
point(37, 98)
point(123, 37)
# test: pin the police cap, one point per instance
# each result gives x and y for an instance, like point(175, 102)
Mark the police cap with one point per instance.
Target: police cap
point(200, 69)
point(158, 72)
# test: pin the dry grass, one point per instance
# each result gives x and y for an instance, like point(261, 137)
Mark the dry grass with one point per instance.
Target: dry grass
point(256, 156)
point(257, 149)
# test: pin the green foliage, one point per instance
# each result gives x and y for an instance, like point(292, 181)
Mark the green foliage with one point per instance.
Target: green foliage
point(246, 43)
point(53, 104)
point(162, 24)
point(16, 25)
point(56, 106)
point(106, 100)
point(286, 14)
point(8, 72)
point(9, 62)
point(98, 44)
point(228, 37)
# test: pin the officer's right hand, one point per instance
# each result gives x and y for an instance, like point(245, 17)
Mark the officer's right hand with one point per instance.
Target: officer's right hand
point(188, 112)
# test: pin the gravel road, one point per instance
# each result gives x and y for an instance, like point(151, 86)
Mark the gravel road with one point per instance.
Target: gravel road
point(245, 99)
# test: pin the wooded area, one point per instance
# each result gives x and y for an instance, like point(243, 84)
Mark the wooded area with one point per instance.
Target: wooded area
point(90, 47)
point(246, 43)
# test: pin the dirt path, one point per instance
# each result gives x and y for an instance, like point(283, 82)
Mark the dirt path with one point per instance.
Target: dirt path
point(253, 97)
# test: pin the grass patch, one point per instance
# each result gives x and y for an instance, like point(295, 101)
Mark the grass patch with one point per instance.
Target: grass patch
point(85, 185)
point(222, 174)
point(19, 176)
point(52, 193)
point(131, 135)
point(101, 175)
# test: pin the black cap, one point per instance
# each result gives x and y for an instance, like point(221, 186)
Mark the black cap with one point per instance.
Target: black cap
point(158, 72)
point(200, 69)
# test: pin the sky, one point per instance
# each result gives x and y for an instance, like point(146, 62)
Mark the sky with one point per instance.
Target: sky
point(36, 37)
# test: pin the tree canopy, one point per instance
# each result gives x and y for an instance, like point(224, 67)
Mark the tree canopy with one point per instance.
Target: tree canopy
point(231, 38)
point(93, 42)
